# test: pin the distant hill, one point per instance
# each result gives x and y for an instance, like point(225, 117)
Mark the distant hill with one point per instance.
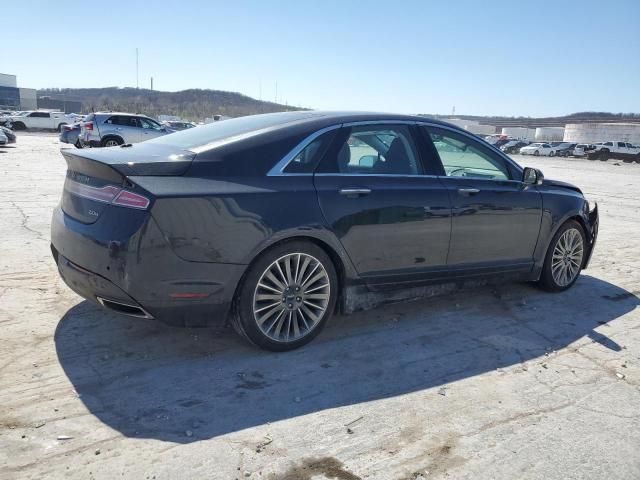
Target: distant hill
point(194, 104)
point(532, 122)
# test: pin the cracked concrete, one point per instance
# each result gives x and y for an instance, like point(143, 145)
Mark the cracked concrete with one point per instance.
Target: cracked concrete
point(497, 382)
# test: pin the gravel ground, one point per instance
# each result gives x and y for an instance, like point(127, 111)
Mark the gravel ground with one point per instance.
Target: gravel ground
point(505, 382)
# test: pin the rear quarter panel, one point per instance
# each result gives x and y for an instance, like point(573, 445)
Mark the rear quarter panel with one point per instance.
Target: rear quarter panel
point(233, 220)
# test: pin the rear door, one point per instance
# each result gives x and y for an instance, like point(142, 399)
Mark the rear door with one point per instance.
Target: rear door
point(495, 217)
point(124, 126)
point(392, 218)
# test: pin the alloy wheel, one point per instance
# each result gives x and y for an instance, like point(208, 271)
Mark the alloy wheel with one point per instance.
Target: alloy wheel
point(567, 257)
point(111, 143)
point(291, 297)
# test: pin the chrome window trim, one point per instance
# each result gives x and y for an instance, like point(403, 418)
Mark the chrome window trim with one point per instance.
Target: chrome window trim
point(402, 175)
point(475, 138)
point(278, 169)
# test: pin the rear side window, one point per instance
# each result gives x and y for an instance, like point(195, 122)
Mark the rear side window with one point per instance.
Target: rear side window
point(122, 120)
point(375, 150)
point(621, 144)
point(307, 159)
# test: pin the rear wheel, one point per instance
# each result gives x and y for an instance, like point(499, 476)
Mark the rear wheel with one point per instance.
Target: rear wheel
point(536, 153)
point(604, 155)
point(61, 126)
point(551, 153)
point(77, 144)
point(18, 126)
point(111, 142)
point(287, 296)
point(564, 259)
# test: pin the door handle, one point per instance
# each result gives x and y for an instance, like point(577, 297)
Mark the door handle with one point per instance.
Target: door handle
point(468, 191)
point(355, 192)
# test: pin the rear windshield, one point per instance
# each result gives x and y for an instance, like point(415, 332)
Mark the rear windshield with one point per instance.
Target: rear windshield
point(226, 129)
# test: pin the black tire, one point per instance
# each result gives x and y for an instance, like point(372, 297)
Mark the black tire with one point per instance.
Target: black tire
point(111, 142)
point(547, 282)
point(61, 126)
point(243, 318)
point(638, 158)
point(77, 144)
point(604, 155)
point(551, 153)
point(18, 126)
point(536, 153)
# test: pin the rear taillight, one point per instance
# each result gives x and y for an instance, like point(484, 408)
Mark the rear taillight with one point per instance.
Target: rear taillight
point(132, 200)
point(108, 194)
point(88, 126)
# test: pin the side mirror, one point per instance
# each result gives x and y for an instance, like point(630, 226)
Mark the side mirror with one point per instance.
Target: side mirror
point(532, 176)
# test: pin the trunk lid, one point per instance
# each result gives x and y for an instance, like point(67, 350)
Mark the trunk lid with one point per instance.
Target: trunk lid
point(97, 178)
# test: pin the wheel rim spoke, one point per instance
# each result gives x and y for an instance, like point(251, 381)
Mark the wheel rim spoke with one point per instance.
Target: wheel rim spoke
point(291, 297)
point(566, 258)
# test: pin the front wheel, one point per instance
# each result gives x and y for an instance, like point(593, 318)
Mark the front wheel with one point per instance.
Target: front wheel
point(551, 153)
point(564, 259)
point(287, 296)
point(536, 153)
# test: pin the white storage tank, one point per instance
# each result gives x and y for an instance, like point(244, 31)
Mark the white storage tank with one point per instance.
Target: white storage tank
point(520, 133)
point(549, 134)
point(602, 132)
point(479, 129)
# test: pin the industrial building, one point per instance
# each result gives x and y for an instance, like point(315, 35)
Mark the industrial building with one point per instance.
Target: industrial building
point(602, 132)
point(472, 126)
point(14, 98)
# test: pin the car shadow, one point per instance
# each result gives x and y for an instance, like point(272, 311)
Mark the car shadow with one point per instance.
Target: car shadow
point(149, 380)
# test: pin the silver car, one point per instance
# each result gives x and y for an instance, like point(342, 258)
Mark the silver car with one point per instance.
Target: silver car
point(109, 129)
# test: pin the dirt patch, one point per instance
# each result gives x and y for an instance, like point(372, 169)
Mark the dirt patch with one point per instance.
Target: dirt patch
point(330, 467)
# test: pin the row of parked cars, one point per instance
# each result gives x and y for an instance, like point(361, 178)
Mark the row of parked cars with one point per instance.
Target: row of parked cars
point(109, 129)
point(99, 129)
point(593, 151)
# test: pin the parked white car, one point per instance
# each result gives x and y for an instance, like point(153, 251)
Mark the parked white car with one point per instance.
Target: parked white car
point(44, 119)
point(536, 149)
point(3, 138)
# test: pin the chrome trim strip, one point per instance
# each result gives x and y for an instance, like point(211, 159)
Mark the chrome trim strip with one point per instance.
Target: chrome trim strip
point(278, 169)
point(145, 314)
point(365, 175)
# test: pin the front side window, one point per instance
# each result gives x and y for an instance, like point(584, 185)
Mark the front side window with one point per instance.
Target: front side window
point(149, 124)
point(376, 150)
point(463, 157)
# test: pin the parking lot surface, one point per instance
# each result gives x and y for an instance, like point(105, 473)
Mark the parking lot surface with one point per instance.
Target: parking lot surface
point(497, 382)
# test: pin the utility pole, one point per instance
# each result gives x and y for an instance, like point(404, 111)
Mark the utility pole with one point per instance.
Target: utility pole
point(276, 99)
point(151, 83)
point(137, 84)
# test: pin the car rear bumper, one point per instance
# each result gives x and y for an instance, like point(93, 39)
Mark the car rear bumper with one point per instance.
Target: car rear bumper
point(137, 273)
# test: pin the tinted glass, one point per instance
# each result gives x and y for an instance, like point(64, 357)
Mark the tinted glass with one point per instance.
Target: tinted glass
point(148, 124)
point(464, 157)
point(225, 129)
point(307, 159)
point(376, 149)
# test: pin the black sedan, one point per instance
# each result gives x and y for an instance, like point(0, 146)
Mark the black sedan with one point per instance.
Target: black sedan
point(275, 221)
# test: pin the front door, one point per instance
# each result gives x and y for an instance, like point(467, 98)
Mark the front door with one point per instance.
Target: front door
point(496, 218)
point(393, 221)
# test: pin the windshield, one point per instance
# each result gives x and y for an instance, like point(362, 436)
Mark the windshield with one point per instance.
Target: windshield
point(203, 137)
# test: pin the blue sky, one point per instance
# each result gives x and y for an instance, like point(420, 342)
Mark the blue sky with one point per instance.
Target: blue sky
point(530, 58)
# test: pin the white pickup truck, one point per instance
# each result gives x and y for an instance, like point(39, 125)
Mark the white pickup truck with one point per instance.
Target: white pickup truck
point(621, 150)
point(39, 119)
